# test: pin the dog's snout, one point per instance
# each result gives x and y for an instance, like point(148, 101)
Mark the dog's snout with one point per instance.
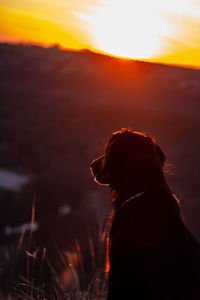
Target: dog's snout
point(97, 161)
point(97, 165)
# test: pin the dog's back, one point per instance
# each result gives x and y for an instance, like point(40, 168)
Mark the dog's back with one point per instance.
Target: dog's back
point(152, 254)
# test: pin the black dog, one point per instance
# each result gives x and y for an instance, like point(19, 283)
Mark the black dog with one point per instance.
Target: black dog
point(152, 254)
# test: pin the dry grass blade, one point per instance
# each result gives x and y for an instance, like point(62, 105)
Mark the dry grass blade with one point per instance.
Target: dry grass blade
point(91, 245)
point(32, 220)
point(78, 249)
point(21, 238)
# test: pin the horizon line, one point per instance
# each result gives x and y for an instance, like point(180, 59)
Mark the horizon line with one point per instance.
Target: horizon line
point(96, 51)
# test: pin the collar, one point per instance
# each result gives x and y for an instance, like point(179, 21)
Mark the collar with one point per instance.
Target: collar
point(131, 198)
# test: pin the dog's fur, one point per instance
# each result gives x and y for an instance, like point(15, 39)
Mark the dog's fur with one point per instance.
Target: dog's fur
point(152, 254)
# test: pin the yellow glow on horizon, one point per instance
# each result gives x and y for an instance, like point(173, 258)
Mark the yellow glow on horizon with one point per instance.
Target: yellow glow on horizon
point(46, 23)
point(165, 31)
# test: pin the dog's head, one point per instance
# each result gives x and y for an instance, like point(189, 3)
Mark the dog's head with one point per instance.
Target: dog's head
point(129, 155)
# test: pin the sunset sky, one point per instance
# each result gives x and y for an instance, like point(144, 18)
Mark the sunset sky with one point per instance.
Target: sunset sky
point(158, 30)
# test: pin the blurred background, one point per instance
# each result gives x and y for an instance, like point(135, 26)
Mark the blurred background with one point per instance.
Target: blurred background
point(71, 74)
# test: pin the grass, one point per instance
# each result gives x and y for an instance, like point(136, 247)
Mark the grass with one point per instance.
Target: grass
point(40, 278)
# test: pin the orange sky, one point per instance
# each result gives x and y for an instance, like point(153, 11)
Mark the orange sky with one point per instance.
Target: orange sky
point(158, 30)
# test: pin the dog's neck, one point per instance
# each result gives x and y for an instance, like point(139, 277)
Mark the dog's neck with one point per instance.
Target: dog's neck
point(132, 198)
point(123, 192)
point(120, 200)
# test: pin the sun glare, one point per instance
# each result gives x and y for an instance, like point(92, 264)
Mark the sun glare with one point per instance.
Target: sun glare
point(128, 28)
point(155, 30)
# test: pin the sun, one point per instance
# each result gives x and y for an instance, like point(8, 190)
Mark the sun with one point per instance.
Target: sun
point(129, 28)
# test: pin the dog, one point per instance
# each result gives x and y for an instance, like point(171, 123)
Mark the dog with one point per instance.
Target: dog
point(151, 253)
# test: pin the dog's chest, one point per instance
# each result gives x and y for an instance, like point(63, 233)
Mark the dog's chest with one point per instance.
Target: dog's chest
point(142, 230)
